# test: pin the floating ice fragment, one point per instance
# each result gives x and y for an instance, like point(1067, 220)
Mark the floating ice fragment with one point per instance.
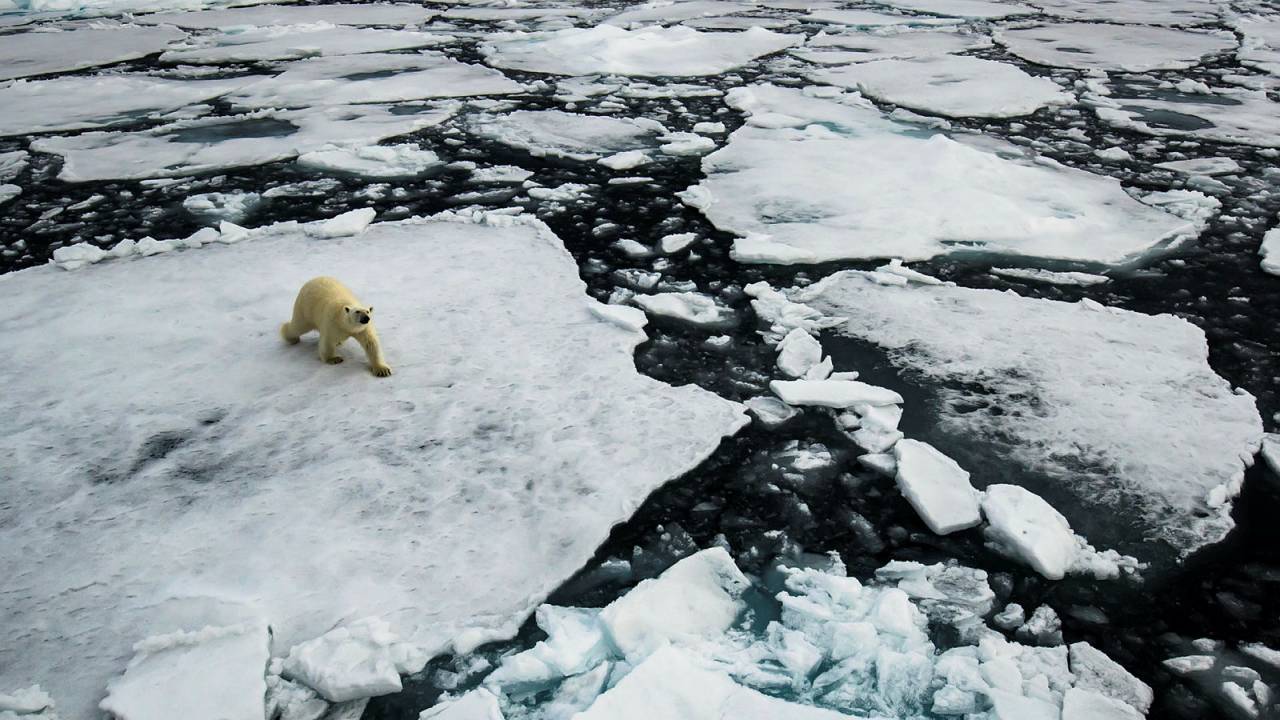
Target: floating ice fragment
point(231, 206)
point(969, 9)
point(396, 14)
point(1269, 251)
point(239, 45)
point(1078, 704)
point(1104, 46)
point(625, 160)
point(38, 53)
point(625, 317)
point(770, 411)
point(479, 704)
point(352, 222)
point(354, 661)
point(690, 307)
point(555, 133)
point(1022, 525)
point(373, 161)
point(798, 352)
point(936, 487)
point(9, 192)
point(682, 143)
point(1097, 672)
point(1051, 277)
point(833, 393)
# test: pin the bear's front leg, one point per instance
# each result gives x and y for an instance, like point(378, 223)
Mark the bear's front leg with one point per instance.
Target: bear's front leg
point(329, 349)
point(373, 351)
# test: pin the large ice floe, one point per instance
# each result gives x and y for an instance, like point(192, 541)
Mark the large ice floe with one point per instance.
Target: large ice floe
point(95, 101)
point(957, 86)
point(903, 191)
point(650, 51)
point(187, 468)
point(296, 42)
point(1138, 12)
point(372, 78)
point(864, 46)
point(864, 18)
point(1261, 45)
point(555, 133)
point(705, 642)
point(1116, 408)
point(1100, 46)
point(215, 143)
point(362, 14)
point(1247, 117)
point(969, 9)
point(39, 53)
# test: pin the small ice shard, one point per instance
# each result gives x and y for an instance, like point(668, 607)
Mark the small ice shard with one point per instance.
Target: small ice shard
point(26, 701)
point(1188, 664)
point(1006, 705)
point(770, 411)
point(625, 160)
point(1044, 627)
point(630, 247)
point(1011, 618)
point(8, 192)
point(700, 596)
point(575, 643)
point(936, 487)
point(1079, 704)
point(676, 242)
point(479, 704)
point(783, 315)
point(690, 307)
point(217, 673)
point(1239, 699)
point(288, 700)
point(1114, 154)
point(833, 393)
point(354, 661)
point(709, 128)
point(352, 222)
point(1022, 525)
point(798, 353)
point(1099, 673)
point(1269, 251)
point(1051, 277)
point(884, 463)
point(683, 143)
point(231, 206)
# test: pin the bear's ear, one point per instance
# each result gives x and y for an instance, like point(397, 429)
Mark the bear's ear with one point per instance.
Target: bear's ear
point(346, 308)
point(369, 309)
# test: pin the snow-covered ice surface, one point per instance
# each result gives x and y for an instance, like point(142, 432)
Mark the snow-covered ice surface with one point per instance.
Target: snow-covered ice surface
point(372, 78)
point(1099, 46)
point(215, 143)
point(1269, 252)
point(906, 193)
point(308, 492)
point(1120, 408)
point(956, 86)
point(555, 133)
point(1228, 115)
point(24, 54)
point(362, 14)
point(864, 46)
point(676, 51)
point(864, 18)
point(1136, 12)
point(295, 42)
point(971, 9)
point(378, 161)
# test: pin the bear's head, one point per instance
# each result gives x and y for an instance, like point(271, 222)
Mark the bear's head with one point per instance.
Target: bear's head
point(357, 318)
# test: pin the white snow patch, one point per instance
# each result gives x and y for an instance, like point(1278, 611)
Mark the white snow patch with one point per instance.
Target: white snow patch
point(312, 493)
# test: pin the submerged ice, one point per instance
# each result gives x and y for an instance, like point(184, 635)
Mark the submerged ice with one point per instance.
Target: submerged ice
point(277, 488)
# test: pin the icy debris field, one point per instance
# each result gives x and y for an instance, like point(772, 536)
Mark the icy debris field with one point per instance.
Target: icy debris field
point(814, 359)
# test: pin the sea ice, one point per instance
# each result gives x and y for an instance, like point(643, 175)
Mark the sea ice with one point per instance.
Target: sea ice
point(96, 101)
point(813, 179)
point(969, 9)
point(1246, 117)
point(649, 51)
point(1122, 407)
point(1261, 46)
point(1271, 444)
point(393, 488)
point(374, 161)
point(215, 143)
point(952, 85)
point(556, 133)
point(798, 352)
point(669, 13)
point(690, 307)
point(398, 14)
point(39, 53)
point(833, 393)
point(1101, 46)
point(295, 42)
point(863, 46)
point(1209, 166)
point(358, 660)
point(217, 673)
point(479, 704)
point(1022, 525)
point(9, 191)
point(1050, 276)
point(372, 78)
point(936, 487)
point(12, 164)
point(1269, 251)
point(1138, 12)
point(231, 206)
point(863, 18)
point(625, 160)
point(1097, 672)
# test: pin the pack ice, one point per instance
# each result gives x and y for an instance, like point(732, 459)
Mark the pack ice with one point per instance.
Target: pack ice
point(239, 45)
point(675, 52)
point(38, 53)
point(186, 468)
point(1229, 115)
point(395, 14)
point(1119, 407)
point(1100, 46)
point(691, 644)
point(555, 133)
point(818, 175)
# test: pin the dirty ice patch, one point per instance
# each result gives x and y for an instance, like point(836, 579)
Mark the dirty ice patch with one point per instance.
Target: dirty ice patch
point(1136, 12)
point(1246, 117)
point(1121, 407)
point(39, 53)
point(296, 42)
point(863, 46)
point(210, 144)
point(650, 51)
point(367, 14)
point(312, 493)
point(372, 78)
point(968, 9)
point(814, 179)
point(96, 101)
point(373, 161)
point(555, 133)
point(1101, 46)
point(951, 85)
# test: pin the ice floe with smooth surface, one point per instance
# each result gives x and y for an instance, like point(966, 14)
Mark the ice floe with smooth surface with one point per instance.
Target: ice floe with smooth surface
point(1246, 117)
point(812, 179)
point(48, 51)
point(97, 101)
point(969, 9)
point(9, 191)
point(833, 393)
point(215, 673)
point(691, 307)
point(1121, 407)
point(1102, 46)
point(372, 78)
point(374, 161)
point(668, 13)
point(555, 133)
point(393, 486)
point(862, 46)
point(863, 18)
point(952, 85)
point(209, 144)
point(1208, 166)
point(936, 486)
point(1138, 12)
point(296, 42)
point(649, 51)
point(397, 14)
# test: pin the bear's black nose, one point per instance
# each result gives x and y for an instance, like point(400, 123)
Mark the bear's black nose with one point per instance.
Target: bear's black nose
point(364, 320)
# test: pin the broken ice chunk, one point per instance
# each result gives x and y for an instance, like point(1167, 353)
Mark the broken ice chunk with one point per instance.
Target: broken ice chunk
point(349, 662)
point(833, 393)
point(625, 317)
point(884, 463)
point(217, 673)
point(677, 242)
point(352, 222)
point(26, 701)
point(1270, 252)
point(625, 160)
point(1042, 628)
point(770, 411)
point(690, 307)
point(697, 597)
point(798, 352)
point(1022, 525)
point(575, 643)
point(479, 704)
point(936, 486)
point(1099, 673)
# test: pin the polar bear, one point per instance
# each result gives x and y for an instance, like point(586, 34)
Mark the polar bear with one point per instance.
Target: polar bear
point(327, 305)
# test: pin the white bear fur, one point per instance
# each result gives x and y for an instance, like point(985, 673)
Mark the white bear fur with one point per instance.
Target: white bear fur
point(327, 305)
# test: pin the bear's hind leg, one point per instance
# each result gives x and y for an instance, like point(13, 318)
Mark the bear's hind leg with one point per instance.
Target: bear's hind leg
point(295, 328)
